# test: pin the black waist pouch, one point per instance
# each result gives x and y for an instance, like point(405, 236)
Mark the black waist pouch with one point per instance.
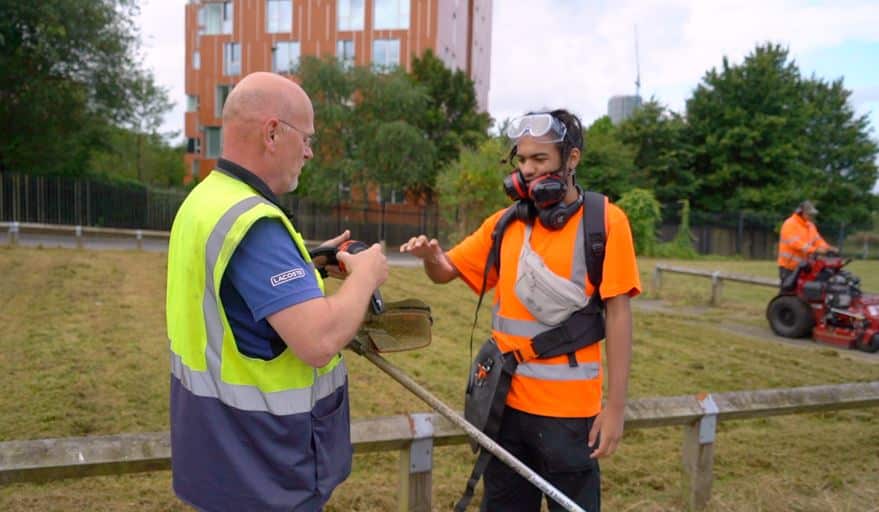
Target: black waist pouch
point(487, 386)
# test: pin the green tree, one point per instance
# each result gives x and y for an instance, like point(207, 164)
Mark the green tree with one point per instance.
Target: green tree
point(452, 119)
point(470, 187)
point(65, 80)
point(643, 211)
point(159, 163)
point(765, 138)
point(401, 157)
point(747, 125)
point(606, 164)
point(840, 155)
point(368, 131)
point(681, 245)
point(663, 157)
point(149, 102)
point(331, 87)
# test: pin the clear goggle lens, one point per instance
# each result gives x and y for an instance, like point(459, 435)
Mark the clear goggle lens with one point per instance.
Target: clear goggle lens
point(545, 126)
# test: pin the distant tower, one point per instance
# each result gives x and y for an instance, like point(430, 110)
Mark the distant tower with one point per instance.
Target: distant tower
point(620, 108)
point(637, 66)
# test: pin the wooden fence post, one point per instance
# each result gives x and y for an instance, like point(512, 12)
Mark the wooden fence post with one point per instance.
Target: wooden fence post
point(657, 280)
point(698, 455)
point(139, 235)
point(716, 288)
point(416, 467)
point(78, 231)
point(13, 233)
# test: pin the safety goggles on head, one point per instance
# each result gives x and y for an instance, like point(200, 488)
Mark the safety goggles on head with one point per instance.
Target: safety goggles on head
point(537, 125)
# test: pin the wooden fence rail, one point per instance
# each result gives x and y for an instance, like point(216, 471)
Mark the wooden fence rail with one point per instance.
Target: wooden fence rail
point(15, 229)
point(717, 279)
point(415, 435)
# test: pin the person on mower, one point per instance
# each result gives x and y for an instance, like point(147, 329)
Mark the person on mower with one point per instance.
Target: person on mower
point(800, 239)
point(551, 410)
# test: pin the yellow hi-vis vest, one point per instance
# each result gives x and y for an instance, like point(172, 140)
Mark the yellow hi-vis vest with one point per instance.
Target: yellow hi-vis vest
point(204, 356)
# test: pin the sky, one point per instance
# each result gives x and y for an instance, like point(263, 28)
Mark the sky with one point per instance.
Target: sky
point(576, 54)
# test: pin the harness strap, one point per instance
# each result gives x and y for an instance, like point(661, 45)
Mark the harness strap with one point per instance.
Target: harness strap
point(581, 329)
point(593, 228)
point(478, 469)
point(494, 259)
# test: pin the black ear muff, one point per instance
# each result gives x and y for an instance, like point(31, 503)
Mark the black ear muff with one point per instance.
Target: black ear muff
point(557, 216)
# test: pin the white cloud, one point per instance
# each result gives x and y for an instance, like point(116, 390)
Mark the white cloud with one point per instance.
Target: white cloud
point(574, 54)
point(161, 24)
point(578, 53)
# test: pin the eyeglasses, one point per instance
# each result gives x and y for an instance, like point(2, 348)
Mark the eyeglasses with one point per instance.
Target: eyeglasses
point(308, 140)
point(537, 125)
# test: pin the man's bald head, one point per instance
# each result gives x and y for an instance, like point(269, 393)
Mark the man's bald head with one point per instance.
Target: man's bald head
point(267, 124)
point(262, 95)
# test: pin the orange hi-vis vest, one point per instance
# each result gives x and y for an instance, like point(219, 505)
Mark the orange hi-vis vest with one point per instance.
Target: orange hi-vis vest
point(799, 238)
point(551, 386)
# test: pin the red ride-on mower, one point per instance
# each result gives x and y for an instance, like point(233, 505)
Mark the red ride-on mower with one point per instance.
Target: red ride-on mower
point(822, 299)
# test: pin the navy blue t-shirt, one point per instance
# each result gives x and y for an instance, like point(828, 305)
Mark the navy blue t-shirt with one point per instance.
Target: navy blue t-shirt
point(265, 275)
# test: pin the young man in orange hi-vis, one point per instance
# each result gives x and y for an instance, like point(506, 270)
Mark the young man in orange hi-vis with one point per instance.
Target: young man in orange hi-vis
point(799, 239)
point(562, 264)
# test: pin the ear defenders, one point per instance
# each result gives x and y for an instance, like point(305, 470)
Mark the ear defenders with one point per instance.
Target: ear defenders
point(542, 198)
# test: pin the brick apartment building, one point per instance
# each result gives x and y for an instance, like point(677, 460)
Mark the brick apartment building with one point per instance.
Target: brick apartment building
point(226, 40)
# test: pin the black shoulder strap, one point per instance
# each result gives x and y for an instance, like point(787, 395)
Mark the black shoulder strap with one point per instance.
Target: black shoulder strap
point(493, 260)
point(478, 469)
point(595, 236)
point(494, 253)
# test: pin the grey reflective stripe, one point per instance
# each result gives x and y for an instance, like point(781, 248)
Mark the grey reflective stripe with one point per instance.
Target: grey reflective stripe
point(578, 269)
point(210, 383)
point(578, 272)
point(249, 398)
point(210, 304)
point(790, 256)
point(561, 371)
point(524, 328)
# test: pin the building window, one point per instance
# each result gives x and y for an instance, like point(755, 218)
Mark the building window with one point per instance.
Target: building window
point(191, 103)
point(385, 53)
point(391, 15)
point(213, 141)
point(215, 18)
point(279, 16)
point(222, 94)
point(390, 195)
point(350, 14)
point(232, 59)
point(344, 191)
point(193, 145)
point(196, 60)
point(285, 57)
point(345, 52)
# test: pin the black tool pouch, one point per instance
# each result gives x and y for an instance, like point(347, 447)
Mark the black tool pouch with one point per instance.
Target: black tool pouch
point(487, 388)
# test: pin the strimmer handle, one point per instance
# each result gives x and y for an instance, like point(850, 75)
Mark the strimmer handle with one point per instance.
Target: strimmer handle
point(354, 246)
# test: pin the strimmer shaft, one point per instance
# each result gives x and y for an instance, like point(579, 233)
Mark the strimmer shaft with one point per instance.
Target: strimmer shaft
point(483, 440)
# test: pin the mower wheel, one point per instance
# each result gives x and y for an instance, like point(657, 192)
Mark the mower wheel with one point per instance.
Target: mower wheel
point(871, 345)
point(789, 316)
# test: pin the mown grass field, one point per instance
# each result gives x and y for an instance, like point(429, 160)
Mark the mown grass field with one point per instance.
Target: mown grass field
point(83, 352)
